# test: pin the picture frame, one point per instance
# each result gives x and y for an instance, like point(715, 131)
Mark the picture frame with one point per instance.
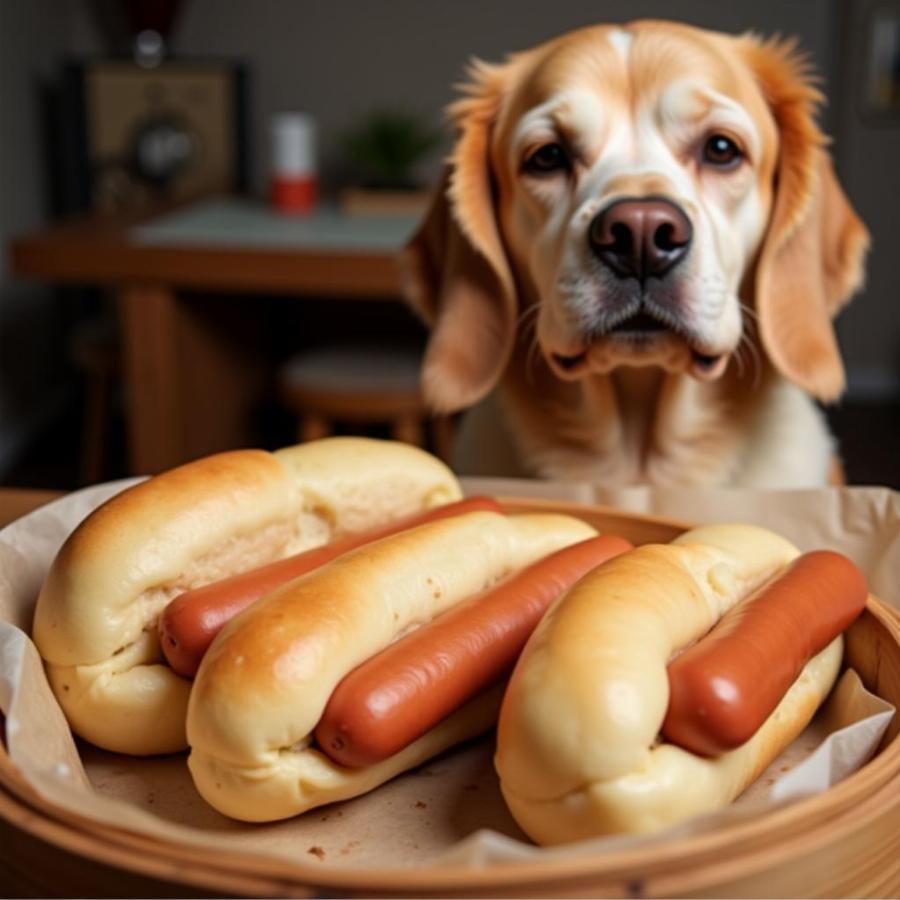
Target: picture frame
point(881, 67)
point(132, 137)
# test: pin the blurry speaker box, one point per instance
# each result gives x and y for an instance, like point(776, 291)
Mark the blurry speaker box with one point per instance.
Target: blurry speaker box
point(132, 136)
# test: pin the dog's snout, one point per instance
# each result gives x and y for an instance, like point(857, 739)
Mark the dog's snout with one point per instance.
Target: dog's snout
point(640, 238)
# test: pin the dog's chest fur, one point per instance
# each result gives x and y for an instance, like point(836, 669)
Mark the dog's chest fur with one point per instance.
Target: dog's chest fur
point(643, 426)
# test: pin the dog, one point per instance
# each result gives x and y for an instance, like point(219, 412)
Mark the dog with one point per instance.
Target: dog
point(631, 267)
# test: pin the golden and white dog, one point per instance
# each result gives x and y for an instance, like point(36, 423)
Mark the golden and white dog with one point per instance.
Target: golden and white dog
point(634, 261)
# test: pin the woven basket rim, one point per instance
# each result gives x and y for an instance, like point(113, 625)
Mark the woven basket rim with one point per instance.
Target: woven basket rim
point(777, 833)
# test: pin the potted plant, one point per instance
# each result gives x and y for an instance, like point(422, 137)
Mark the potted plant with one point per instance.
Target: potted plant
point(384, 153)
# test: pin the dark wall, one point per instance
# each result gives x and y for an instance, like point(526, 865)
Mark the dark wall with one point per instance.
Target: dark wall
point(32, 39)
point(867, 149)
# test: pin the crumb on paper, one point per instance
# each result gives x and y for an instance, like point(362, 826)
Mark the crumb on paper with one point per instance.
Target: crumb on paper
point(317, 851)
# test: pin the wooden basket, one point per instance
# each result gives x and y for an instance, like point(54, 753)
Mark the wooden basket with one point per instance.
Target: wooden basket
point(845, 842)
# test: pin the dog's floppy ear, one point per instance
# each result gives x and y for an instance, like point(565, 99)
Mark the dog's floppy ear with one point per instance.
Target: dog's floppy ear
point(458, 277)
point(811, 260)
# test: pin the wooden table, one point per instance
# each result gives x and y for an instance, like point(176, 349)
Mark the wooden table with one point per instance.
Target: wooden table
point(189, 384)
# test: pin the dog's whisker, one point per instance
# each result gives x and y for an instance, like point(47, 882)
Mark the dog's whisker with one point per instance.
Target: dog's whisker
point(531, 358)
point(739, 360)
point(531, 310)
point(527, 319)
point(749, 312)
point(757, 377)
point(753, 354)
point(526, 322)
point(739, 350)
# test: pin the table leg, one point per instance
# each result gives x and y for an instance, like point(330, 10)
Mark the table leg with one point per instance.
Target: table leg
point(149, 317)
point(194, 374)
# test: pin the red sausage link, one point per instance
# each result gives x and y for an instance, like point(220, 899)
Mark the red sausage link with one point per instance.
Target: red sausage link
point(724, 687)
point(396, 696)
point(191, 621)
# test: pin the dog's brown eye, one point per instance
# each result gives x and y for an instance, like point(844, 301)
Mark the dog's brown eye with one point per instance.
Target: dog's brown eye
point(549, 158)
point(721, 151)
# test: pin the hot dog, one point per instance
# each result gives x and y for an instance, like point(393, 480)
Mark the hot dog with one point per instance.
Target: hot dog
point(96, 618)
point(264, 683)
point(189, 623)
point(723, 688)
point(396, 696)
point(579, 752)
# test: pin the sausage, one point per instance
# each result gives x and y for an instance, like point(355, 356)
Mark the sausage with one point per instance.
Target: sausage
point(189, 623)
point(724, 687)
point(264, 682)
point(396, 696)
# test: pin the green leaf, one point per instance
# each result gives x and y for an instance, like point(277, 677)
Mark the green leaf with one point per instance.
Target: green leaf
point(387, 146)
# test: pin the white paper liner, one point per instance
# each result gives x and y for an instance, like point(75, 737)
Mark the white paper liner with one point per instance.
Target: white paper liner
point(450, 810)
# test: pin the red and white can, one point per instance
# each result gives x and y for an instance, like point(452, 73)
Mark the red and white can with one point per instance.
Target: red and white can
point(294, 169)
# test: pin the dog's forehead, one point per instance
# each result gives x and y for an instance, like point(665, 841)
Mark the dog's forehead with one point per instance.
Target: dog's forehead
point(612, 71)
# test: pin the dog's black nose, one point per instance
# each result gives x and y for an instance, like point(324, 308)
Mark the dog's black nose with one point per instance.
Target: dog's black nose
point(640, 238)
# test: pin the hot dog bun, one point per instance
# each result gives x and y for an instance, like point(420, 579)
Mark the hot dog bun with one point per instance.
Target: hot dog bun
point(577, 750)
point(267, 677)
point(95, 619)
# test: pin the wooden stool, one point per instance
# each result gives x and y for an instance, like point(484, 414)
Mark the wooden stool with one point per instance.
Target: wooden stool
point(363, 385)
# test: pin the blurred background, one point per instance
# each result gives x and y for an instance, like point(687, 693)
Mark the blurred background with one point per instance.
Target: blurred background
point(200, 204)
